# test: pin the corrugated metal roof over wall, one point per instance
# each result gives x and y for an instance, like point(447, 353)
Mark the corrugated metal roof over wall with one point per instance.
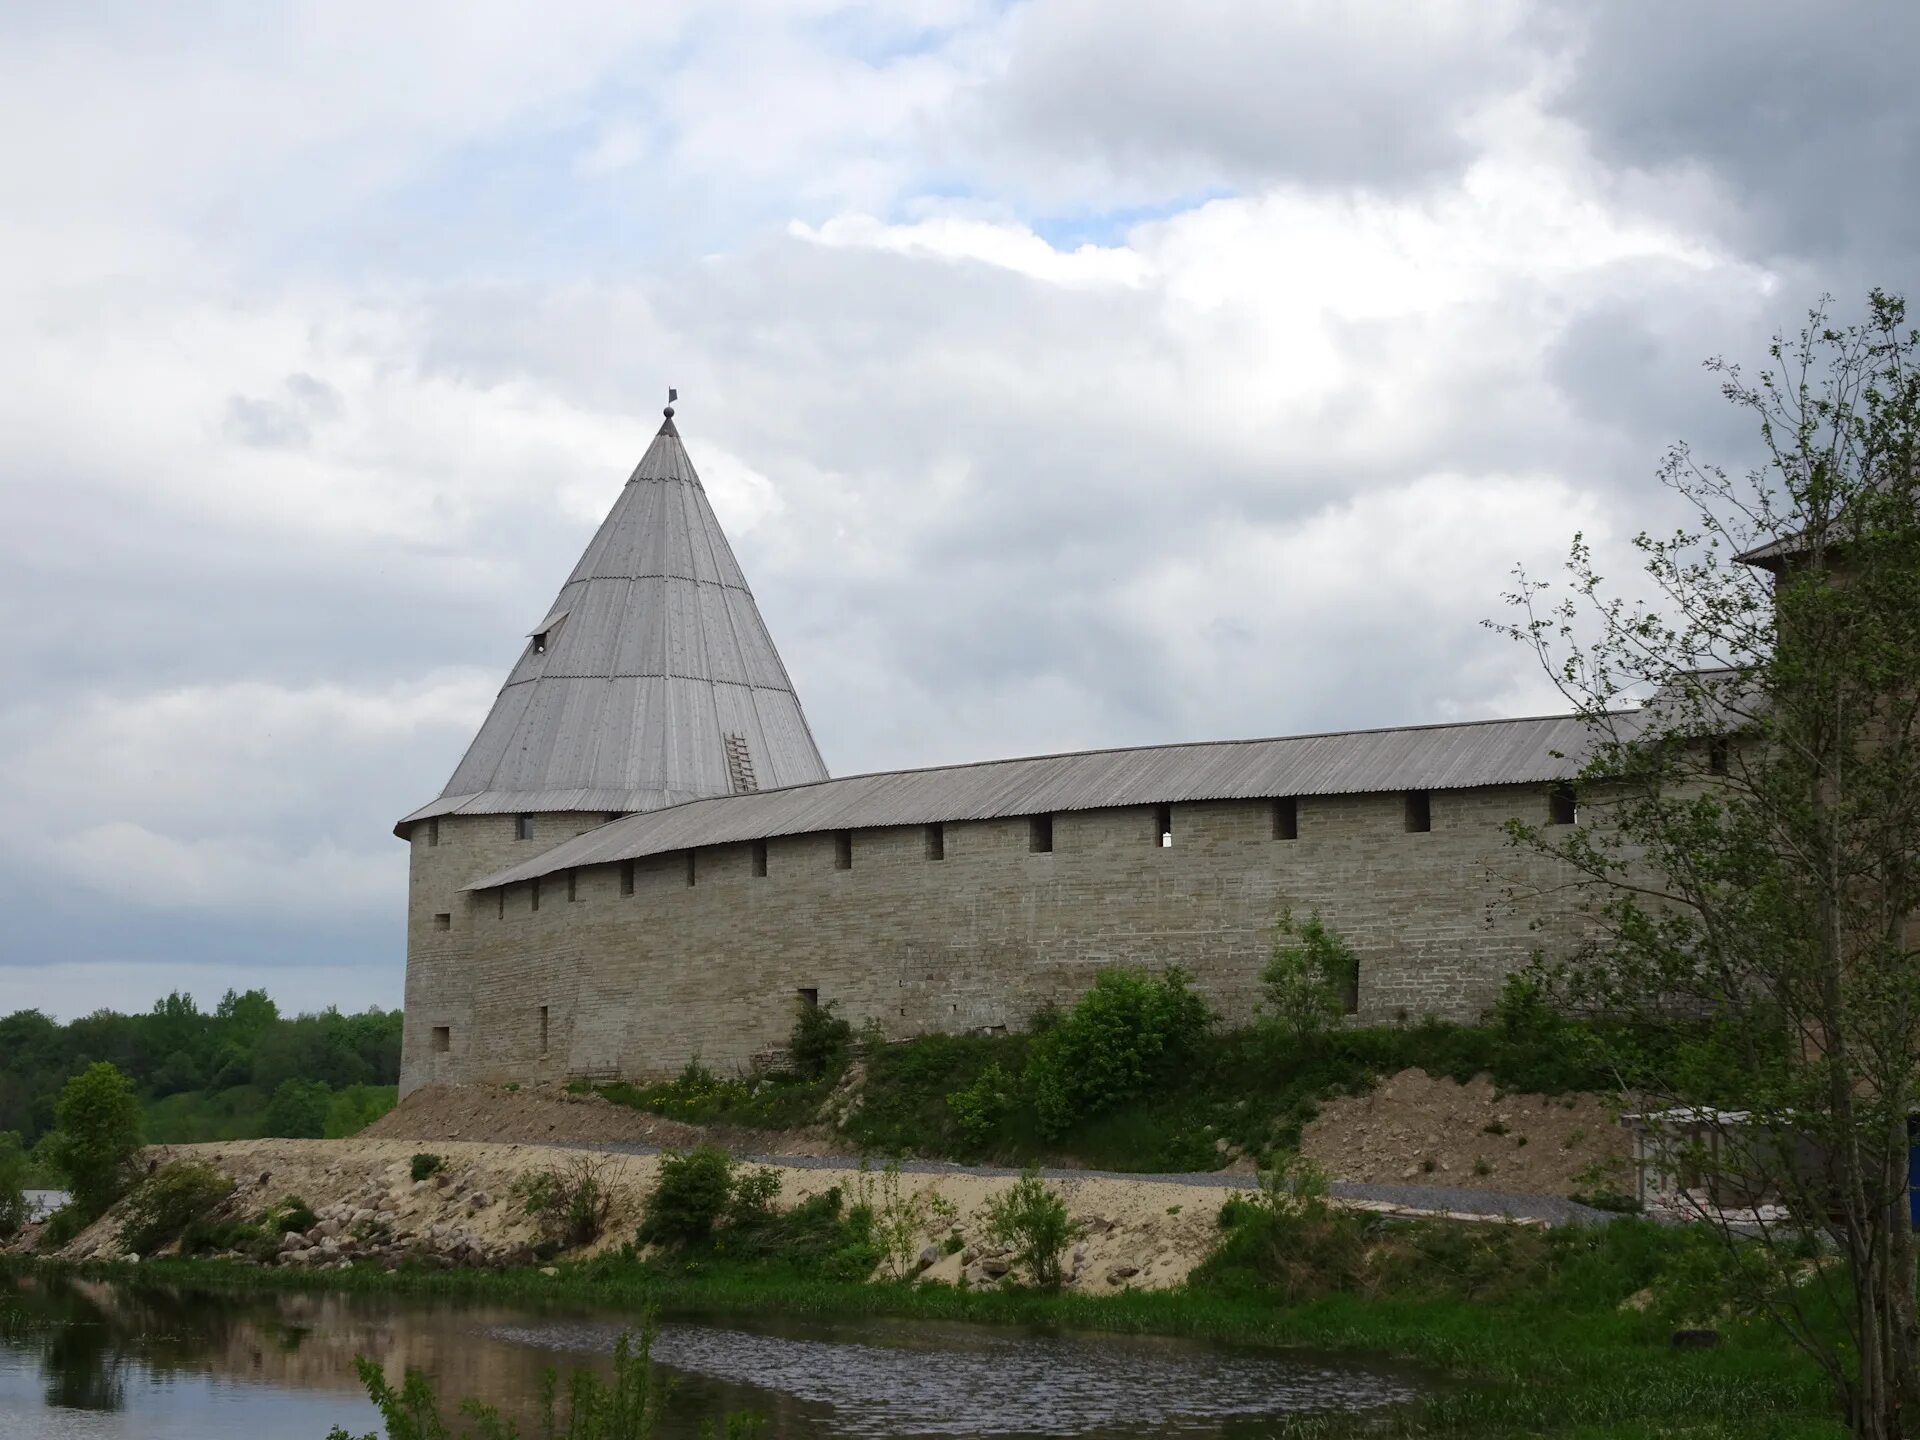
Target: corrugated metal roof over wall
point(1428, 757)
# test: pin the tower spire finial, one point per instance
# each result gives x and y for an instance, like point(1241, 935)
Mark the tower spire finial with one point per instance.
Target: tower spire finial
point(672, 395)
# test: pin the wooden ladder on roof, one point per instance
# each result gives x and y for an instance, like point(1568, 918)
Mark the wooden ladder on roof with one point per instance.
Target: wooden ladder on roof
point(740, 765)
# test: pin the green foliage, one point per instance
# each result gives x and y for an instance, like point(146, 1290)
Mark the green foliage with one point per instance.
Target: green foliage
point(423, 1165)
point(1032, 1219)
point(690, 1197)
point(572, 1201)
point(97, 1135)
point(162, 1207)
point(700, 1097)
point(754, 1192)
point(821, 1043)
point(981, 1107)
point(626, 1407)
point(351, 1110)
point(298, 1110)
point(1308, 979)
point(900, 1219)
point(14, 1168)
point(197, 1069)
point(1122, 1036)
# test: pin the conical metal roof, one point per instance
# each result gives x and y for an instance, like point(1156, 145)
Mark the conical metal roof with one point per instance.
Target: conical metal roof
point(650, 680)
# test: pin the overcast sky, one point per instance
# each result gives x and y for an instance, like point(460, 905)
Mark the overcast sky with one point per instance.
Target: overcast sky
point(1066, 374)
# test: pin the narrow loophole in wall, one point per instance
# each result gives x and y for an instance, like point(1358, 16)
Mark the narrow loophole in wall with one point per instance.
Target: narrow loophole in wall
point(523, 827)
point(1163, 826)
point(1562, 806)
point(443, 921)
point(1717, 755)
point(533, 894)
point(693, 868)
point(442, 1039)
point(1419, 812)
point(573, 886)
point(760, 859)
point(626, 877)
point(1040, 834)
point(543, 1030)
point(433, 832)
point(936, 842)
point(1286, 818)
point(843, 849)
point(1349, 984)
point(501, 902)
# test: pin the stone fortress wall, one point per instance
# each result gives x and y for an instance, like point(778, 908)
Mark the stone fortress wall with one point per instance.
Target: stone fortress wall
point(706, 957)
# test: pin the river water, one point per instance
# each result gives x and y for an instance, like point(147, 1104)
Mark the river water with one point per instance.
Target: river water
point(81, 1360)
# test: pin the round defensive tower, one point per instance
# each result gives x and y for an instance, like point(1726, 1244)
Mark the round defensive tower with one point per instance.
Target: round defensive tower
point(649, 681)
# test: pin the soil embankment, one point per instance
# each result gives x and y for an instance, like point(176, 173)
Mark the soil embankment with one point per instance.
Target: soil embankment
point(1141, 1234)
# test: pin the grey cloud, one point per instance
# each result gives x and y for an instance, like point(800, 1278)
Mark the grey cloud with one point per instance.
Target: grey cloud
point(1804, 113)
point(1136, 104)
point(285, 422)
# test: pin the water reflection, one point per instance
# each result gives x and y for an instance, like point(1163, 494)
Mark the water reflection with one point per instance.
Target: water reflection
point(247, 1365)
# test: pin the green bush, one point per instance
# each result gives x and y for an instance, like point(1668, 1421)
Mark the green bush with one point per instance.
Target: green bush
point(1033, 1220)
point(572, 1202)
point(1310, 980)
point(166, 1203)
point(298, 1110)
point(821, 1043)
point(980, 1108)
point(290, 1214)
point(14, 1167)
point(1122, 1036)
point(96, 1135)
point(690, 1197)
point(424, 1165)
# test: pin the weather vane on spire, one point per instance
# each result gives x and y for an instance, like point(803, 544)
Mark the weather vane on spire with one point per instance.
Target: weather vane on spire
point(672, 395)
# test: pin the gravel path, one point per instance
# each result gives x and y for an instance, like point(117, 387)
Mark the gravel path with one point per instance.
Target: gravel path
point(1429, 1198)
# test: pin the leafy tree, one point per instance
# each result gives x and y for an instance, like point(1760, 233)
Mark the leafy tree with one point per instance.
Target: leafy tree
point(821, 1041)
point(1309, 978)
point(298, 1110)
point(1030, 1218)
point(1125, 1033)
point(1747, 847)
point(13, 1184)
point(97, 1135)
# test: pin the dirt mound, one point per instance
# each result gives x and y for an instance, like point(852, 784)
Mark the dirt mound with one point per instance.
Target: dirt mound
point(499, 1116)
point(1414, 1129)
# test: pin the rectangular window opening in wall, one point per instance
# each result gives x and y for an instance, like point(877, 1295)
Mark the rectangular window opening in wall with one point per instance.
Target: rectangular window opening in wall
point(843, 849)
point(573, 886)
point(936, 842)
point(443, 921)
point(626, 877)
point(760, 859)
point(1163, 826)
point(543, 1030)
point(433, 832)
point(1286, 818)
point(809, 996)
point(1040, 834)
point(1562, 807)
point(533, 895)
point(1419, 805)
point(1717, 755)
point(1349, 982)
point(442, 1039)
point(693, 868)
point(523, 827)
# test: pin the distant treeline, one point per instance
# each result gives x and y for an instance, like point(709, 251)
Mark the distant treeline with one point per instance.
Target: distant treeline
point(239, 1070)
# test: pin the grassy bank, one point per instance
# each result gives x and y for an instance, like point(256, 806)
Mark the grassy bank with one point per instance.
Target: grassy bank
point(967, 1097)
point(1525, 1332)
